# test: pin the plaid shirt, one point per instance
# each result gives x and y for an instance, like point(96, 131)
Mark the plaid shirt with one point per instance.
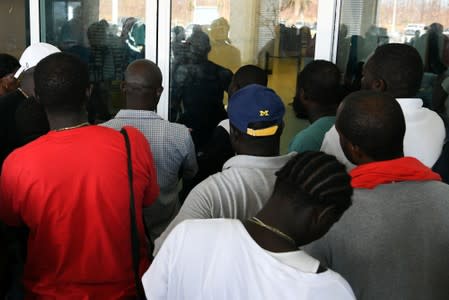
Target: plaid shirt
point(171, 145)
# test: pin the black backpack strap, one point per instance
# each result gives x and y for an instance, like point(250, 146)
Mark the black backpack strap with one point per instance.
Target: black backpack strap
point(135, 246)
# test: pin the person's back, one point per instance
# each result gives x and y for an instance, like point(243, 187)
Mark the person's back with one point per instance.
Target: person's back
point(397, 70)
point(247, 179)
point(231, 265)
point(238, 192)
point(76, 204)
point(318, 92)
point(200, 87)
point(219, 149)
point(258, 257)
point(171, 144)
point(392, 243)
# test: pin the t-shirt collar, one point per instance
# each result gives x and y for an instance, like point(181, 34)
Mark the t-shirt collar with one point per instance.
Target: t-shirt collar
point(262, 162)
point(137, 114)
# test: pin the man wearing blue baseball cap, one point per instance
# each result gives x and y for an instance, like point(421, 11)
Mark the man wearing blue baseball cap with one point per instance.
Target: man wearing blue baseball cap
point(238, 192)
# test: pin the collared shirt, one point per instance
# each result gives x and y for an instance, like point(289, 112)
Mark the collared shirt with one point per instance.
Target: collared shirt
point(171, 145)
point(238, 192)
point(424, 134)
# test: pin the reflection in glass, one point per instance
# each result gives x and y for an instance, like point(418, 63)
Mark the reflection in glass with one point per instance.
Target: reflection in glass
point(276, 35)
point(107, 35)
point(365, 25)
point(14, 32)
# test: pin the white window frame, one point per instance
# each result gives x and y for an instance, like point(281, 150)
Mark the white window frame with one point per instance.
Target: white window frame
point(327, 29)
point(158, 30)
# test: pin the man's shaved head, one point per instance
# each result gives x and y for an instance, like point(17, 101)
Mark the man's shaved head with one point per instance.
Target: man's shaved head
point(374, 122)
point(398, 66)
point(142, 85)
point(145, 73)
point(246, 75)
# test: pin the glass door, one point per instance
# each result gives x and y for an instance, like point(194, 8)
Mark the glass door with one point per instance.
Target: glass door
point(366, 24)
point(14, 32)
point(106, 34)
point(276, 35)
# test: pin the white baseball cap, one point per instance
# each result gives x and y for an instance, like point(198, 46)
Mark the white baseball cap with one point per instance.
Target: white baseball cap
point(33, 54)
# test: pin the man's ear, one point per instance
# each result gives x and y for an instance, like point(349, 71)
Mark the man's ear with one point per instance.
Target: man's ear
point(357, 153)
point(378, 85)
point(159, 92)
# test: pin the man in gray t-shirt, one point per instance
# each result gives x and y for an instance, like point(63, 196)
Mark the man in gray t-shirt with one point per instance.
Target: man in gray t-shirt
point(393, 242)
point(238, 192)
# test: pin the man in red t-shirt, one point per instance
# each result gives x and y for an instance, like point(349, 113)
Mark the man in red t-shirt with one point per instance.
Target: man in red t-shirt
point(70, 188)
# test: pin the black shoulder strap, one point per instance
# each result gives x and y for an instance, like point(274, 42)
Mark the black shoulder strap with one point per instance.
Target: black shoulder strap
point(133, 225)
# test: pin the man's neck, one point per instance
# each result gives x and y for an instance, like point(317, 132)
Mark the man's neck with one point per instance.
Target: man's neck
point(267, 150)
point(261, 153)
point(314, 115)
point(271, 215)
point(59, 121)
point(140, 104)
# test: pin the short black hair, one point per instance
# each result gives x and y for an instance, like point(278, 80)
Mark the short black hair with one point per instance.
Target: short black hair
point(315, 178)
point(8, 64)
point(374, 122)
point(250, 74)
point(61, 81)
point(399, 66)
point(320, 81)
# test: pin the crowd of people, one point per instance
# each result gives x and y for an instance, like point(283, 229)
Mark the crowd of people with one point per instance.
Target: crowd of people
point(357, 209)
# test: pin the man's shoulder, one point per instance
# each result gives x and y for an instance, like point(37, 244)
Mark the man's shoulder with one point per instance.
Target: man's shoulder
point(404, 191)
point(208, 225)
point(251, 163)
point(398, 201)
point(240, 176)
point(190, 234)
point(224, 185)
point(175, 134)
point(306, 139)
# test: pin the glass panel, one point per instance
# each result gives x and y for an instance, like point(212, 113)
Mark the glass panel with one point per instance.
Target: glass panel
point(276, 35)
point(14, 32)
point(366, 24)
point(106, 34)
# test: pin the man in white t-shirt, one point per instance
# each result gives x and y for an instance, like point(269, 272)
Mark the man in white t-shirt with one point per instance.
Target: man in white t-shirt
point(259, 257)
point(246, 182)
point(397, 69)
